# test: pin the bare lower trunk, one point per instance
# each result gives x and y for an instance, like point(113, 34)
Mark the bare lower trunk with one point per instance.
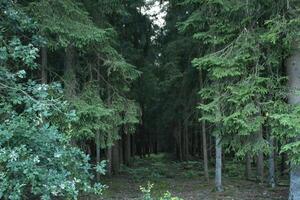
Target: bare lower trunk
point(293, 71)
point(218, 172)
point(115, 158)
point(109, 160)
point(260, 167)
point(178, 136)
point(126, 150)
point(133, 147)
point(204, 147)
point(121, 157)
point(210, 148)
point(194, 143)
point(295, 183)
point(260, 161)
point(272, 164)
point(248, 166)
point(283, 164)
point(203, 130)
point(70, 77)
point(69, 74)
point(185, 148)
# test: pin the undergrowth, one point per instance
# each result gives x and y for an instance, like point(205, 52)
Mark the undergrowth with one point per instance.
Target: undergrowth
point(160, 166)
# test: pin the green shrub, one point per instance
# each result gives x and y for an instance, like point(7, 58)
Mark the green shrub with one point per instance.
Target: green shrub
point(36, 158)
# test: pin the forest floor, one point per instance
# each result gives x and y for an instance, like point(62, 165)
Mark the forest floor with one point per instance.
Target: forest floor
point(185, 180)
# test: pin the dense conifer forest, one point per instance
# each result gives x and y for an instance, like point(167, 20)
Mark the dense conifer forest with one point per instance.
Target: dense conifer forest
point(149, 99)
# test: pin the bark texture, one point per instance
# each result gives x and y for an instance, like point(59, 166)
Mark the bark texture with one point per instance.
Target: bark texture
point(204, 140)
point(127, 151)
point(218, 172)
point(116, 158)
point(204, 147)
point(69, 74)
point(109, 161)
point(272, 164)
point(260, 160)
point(248, 166)
point(293, 71)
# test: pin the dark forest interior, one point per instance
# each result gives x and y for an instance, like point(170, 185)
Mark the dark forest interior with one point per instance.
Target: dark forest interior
point(149, 99)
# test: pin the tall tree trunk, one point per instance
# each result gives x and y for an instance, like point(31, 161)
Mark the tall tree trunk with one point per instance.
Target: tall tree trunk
point(293, 72)
point(260, 160)
point(260, 167)
point(204, 147)
point(179, 141)
point(185, 141)
point(121, 157)
point(69, 75)
point(115, 158)
point(248, 166)
point(133, 147)
point(155, 150)
point(271, 163)
point(200, 143)
point(44, 65)
point(109, 160)
point(203, 131)
point(218, 147)
point(98, 149)
point(283, 164)
point(218, 172)
point(126, 150)
point(194, 143)
point(210, 147)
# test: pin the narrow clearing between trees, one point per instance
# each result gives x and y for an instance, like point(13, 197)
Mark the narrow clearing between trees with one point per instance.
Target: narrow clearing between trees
point(186, 180)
